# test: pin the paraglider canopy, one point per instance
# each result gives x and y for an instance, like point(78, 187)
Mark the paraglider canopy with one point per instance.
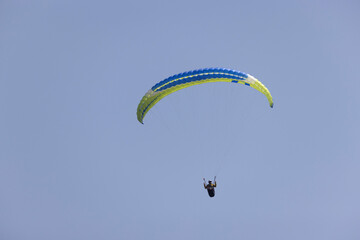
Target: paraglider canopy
point(191, 78)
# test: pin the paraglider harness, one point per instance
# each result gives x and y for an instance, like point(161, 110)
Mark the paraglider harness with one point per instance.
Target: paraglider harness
point(210, 187)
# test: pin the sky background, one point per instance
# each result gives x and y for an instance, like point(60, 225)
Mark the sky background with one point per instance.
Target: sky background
point(76, 164)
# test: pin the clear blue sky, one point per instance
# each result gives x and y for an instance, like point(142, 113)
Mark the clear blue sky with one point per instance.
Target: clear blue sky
point(76, 164)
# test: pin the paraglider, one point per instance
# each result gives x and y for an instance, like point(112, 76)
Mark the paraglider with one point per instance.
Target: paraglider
point(191, 78)
point(210, 187)
point(187, 79)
